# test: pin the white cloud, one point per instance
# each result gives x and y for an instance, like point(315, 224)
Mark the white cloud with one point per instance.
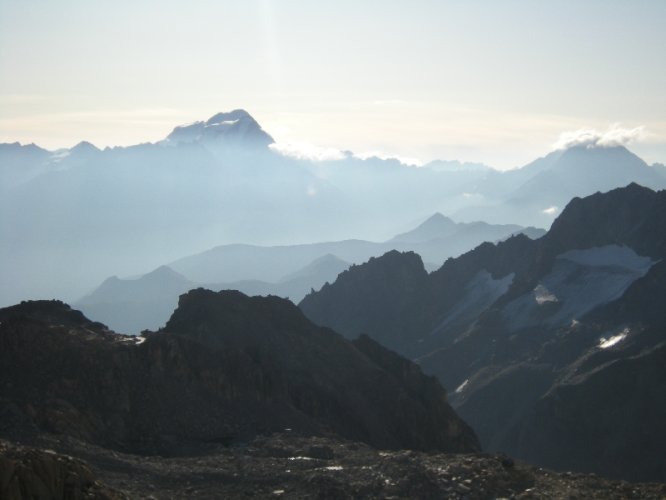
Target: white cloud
point(306, 151)
point(591, 138)
point(550, 210)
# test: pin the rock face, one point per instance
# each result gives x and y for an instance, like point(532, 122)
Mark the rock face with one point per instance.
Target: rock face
point(224, 369)
point(32, 473)
point(554, 347)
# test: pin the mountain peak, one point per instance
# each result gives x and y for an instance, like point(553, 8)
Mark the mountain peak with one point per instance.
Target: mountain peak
point(164, 272)
point(435, 226)
point(84, 147)
point(616, 216)
point(229, 116)
point(235, 128)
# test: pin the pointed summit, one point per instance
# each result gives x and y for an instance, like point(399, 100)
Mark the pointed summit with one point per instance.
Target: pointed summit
point(436, 226)
point(164, 274)
point(235, 128)
point(84, 147)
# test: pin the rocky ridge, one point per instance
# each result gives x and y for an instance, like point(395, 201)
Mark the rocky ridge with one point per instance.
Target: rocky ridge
point(225, 369)
point(553, 349)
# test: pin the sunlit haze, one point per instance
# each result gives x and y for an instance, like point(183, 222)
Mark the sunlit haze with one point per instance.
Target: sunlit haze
point(494, 82)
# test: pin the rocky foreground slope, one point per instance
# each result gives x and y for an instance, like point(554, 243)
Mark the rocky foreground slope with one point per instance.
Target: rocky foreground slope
point(238, 397)
point(288, 465)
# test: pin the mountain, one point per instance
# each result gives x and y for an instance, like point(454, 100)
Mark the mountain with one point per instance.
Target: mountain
point(435, 239)
point(19, 163)
point(553, 348)
point(132, 305)
point(436, 226)
point(536, 193)
point(136, 304)
point(225, 368)
point(71, 216)
point(234, 128)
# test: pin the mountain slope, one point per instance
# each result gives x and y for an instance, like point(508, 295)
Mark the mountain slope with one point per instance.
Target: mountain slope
point(133, 305)
point(225, 368)
point(537, 192)
point(527, 332)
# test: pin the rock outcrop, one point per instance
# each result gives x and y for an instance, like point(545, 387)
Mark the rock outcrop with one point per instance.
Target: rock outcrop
point(224, 369)
point(552, 349)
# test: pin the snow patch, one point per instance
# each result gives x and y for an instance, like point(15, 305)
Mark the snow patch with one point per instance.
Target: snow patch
point(461, 387)
point(579, 281)
point(542, 295)
point(226, 123)
point(605, 343)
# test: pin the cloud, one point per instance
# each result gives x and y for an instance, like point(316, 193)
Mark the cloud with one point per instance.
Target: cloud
point(306, 151)
point(550, 210)
point(591, 138)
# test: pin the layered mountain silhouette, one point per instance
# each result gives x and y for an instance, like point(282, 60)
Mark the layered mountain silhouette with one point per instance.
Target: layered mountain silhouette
point(553, 348)
point(225, 368)
point(73, 217)
point(540, 190)
point(146, 302)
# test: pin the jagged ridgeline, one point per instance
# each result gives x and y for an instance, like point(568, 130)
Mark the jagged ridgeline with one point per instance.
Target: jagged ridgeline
point(224, 369)
point(553, 349)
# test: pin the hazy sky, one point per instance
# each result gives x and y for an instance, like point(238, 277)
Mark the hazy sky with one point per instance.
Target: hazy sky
point(493, 81)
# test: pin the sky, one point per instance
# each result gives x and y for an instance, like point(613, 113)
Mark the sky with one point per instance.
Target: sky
point(500, 82)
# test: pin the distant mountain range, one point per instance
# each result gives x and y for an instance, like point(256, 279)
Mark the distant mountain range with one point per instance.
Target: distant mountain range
point(70, 218)
point(146, 302)
point(552, 349)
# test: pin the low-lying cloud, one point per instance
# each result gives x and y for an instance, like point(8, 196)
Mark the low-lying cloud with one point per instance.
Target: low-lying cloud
point(306, 151)
point(592, 138)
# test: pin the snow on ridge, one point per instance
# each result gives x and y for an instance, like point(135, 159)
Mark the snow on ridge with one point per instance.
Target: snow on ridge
point(542, 295)
point(579, 281)
point(605, 343)
point(226, 123)
point(462, 386)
